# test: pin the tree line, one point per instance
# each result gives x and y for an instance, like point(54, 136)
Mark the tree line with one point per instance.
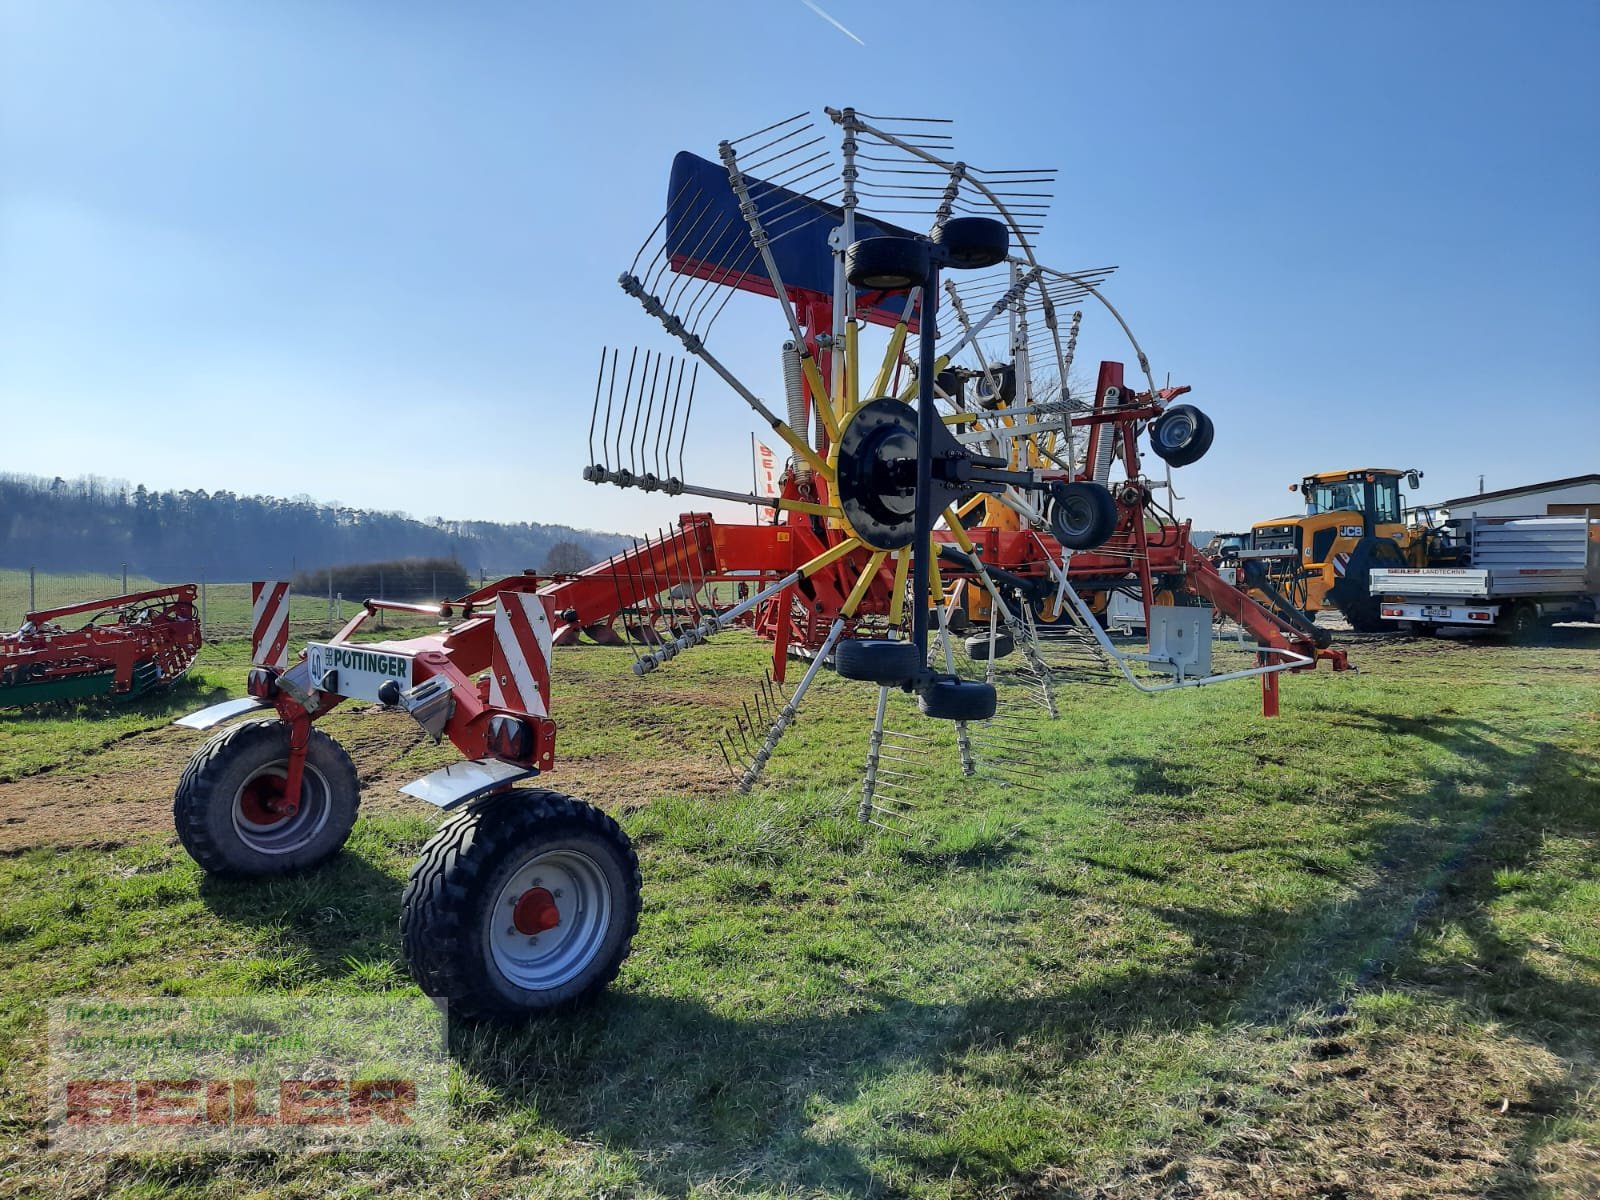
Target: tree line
point(96, 524)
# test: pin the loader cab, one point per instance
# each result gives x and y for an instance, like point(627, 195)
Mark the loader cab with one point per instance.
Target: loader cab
point(1373, 493)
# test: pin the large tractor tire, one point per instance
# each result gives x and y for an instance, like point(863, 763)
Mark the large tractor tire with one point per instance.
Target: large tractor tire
point(526, 902)
point(1366, 616)
point(228, 805)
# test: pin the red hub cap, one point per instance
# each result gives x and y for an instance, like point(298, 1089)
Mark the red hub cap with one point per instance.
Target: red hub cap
point(261, 802)
point(535, 912)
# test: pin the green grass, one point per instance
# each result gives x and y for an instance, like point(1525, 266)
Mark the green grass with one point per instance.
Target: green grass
point(227, 605)
point(1353, 951)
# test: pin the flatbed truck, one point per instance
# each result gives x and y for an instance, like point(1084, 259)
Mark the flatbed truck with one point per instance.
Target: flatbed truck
point(1516, 574)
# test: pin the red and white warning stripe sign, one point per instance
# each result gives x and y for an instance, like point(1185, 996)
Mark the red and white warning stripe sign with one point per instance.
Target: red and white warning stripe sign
point(1341, 563)
point(519, 663)
point(269, 624)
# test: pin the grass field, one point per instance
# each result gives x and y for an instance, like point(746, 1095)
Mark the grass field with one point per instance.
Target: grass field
point(1351, 952)
point(227, 605)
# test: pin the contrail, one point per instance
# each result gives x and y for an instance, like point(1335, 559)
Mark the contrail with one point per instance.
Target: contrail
point(832, 22)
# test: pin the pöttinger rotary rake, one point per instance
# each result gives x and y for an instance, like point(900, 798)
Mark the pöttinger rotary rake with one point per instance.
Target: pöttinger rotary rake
point(970, 483)
point(969, 486)
point(127, 646)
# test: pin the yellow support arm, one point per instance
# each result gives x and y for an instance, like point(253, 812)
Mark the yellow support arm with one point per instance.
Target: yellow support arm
point(897, 602)
point(868, 574)
point(830, 556)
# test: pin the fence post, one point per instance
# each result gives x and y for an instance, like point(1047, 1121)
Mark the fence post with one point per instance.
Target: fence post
point(202, 606)
point(124, 579)
point(32, 601)
point(380, 597)
point(330, 596)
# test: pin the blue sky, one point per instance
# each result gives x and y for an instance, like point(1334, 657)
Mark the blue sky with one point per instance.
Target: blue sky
point(367, 251)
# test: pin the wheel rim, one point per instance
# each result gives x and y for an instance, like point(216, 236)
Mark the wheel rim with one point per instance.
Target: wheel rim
point(262, 826)
point(549, 919)
point(1077, 514)
point(1176, 430)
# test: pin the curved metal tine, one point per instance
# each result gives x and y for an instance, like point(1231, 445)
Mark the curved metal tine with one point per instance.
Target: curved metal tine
point(622, 414)
point(618, 564)
point(803, 115)
point(727, 240)
point(738, 241)
point(786, 152)
point(668, 565)
point(643, 411)
point(697, 215)
point(696, 578)
point(650, 580)
point(702, 220)
point(633, 268)
point(594, 412)
point(636, 582)
point(722, 746)
point(654, 460)
point(694, 378)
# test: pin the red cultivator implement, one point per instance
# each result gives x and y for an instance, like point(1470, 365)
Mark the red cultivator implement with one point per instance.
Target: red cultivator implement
point(969, 490)
point(128, 646)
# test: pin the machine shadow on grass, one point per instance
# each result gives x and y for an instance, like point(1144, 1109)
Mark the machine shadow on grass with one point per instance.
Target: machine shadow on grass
point(695, 1093)
point(337, 918)
point(182, 696)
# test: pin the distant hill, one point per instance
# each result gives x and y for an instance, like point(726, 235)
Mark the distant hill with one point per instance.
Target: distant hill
point(94, 524)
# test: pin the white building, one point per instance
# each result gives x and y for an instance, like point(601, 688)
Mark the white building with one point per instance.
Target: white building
point(1575, 497)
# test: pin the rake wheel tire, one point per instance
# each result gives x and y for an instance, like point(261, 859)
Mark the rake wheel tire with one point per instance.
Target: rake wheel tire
point(1181, 435)
point(973, 242)
point(877, 660)
point(216, 812)
point(455, 916)
point(978, 647)
point(886, 264)
point(1083, 515)
point(950, 699)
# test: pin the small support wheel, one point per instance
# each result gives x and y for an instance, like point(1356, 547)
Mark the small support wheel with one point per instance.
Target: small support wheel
point(973, 243)
point(229, 806)
point(1082, 515)
point(887, 264)
point(947, 698)
point(1181, 435)
point(877, 660)
point(981, 649)
point(526, 902)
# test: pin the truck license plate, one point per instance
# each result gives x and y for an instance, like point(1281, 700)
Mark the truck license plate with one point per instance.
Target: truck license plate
point(1436, 610)
point(361, 670)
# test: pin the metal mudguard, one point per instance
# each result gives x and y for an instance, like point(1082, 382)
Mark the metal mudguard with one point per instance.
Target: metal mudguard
point(218, 713)
point(460, 782)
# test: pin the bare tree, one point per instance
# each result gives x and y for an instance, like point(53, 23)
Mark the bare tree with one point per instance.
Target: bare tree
point(566, 558)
